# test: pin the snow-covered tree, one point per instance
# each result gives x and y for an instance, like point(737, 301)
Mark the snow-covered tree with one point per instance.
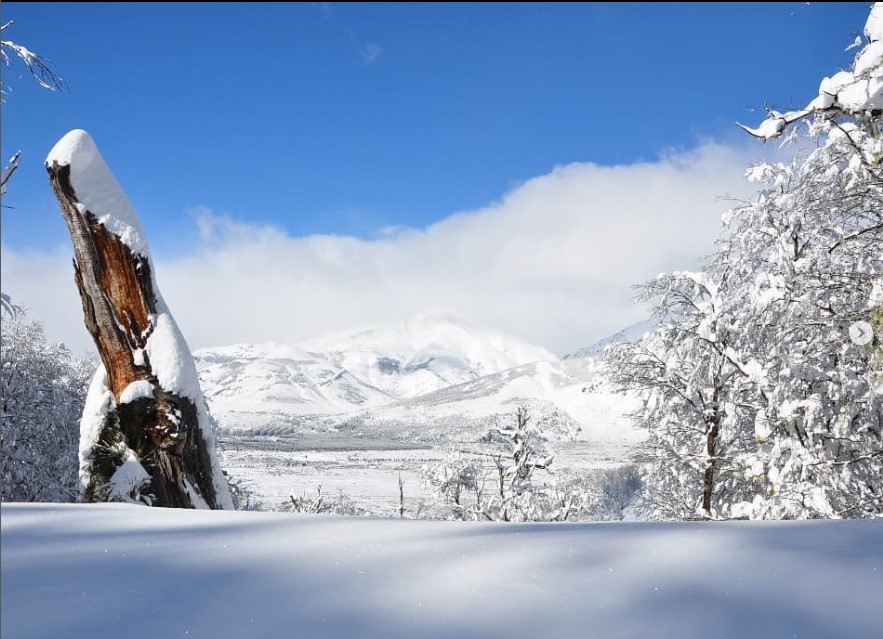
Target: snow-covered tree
point(460, 481)
point(505, 488)
point(515, 493)
point(810, 249)
point(686, 373)
point(760, 360)
point(43, 388)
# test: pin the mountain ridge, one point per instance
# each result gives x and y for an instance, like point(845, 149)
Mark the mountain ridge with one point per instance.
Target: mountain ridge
point(631, 333)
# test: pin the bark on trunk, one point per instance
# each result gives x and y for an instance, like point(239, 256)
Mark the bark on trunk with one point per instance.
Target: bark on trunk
point(711, 448)
point(708, 479)
point(119, 308)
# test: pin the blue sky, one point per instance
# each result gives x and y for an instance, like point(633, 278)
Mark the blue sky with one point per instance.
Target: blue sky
point(348, 119)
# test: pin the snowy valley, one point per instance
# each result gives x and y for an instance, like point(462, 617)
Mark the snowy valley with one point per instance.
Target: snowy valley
point(350, 412)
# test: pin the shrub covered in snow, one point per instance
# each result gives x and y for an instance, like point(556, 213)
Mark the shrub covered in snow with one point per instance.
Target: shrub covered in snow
point(43, 389)
point(339, 504)
point(244, 498)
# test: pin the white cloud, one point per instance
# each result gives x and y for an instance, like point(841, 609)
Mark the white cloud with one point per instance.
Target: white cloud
point(324, 9)
point(43, 283)
point(370, 52)
point(552, 262)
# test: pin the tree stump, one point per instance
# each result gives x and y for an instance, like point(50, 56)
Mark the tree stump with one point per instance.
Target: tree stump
point(146, 434)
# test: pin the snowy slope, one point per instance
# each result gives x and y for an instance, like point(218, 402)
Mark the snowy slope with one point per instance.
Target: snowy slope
point(564, 399)
point(270, 378)
point(528, 380)
point(111, 570)
point(631, 333)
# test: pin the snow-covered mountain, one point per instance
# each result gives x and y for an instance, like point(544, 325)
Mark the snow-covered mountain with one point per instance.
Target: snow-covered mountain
point(367, 368)
point(435, 376)
point(426, 354)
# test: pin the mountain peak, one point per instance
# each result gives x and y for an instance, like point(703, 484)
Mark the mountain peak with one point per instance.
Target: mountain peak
point(438, 334)
point(440, 316)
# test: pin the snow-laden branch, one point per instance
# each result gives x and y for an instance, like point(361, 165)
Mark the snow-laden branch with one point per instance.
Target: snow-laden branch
point(38, 66)
point(8, 170)
point(857, 92)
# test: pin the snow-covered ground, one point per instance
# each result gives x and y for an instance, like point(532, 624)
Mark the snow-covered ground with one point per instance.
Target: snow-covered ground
point(116, 570)
point(368, 478)
point(368, 475)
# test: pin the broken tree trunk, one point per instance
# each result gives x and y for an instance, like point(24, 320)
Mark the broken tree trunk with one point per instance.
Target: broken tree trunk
point(145, 434)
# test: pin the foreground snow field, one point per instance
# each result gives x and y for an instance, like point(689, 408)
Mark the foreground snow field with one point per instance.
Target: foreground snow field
point(127, 571)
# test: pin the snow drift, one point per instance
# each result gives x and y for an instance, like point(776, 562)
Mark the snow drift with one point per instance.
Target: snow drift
point(112, 569)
